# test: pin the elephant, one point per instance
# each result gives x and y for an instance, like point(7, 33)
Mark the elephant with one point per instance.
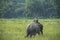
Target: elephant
point(34, 28)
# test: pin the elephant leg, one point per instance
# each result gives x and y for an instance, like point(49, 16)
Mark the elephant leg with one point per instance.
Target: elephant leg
point(34, 34)
point(42, 32)
point(27, 35)
point(30, 35)
point(38, 33)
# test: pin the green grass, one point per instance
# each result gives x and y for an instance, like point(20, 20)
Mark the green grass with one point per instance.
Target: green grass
point(15, 29)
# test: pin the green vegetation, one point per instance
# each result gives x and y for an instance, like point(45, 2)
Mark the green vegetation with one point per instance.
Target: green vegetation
point(29, 8)
point(15, 29)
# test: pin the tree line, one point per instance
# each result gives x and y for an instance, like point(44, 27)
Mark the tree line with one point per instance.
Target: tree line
point(29, 9)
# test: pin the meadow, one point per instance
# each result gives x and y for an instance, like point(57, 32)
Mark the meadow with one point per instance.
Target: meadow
point(15, 29)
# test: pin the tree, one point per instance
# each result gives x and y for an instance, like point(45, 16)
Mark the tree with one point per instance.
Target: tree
point(57, 3)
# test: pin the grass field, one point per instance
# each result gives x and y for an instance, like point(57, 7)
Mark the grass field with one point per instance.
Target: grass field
point(15, 29)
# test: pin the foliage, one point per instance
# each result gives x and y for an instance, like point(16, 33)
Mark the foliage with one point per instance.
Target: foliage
point(29, 9)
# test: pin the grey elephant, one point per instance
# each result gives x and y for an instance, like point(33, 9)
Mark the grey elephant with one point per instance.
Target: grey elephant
point(34, 28)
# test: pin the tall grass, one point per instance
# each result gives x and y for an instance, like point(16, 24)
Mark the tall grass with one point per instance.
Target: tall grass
point(15, 29)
